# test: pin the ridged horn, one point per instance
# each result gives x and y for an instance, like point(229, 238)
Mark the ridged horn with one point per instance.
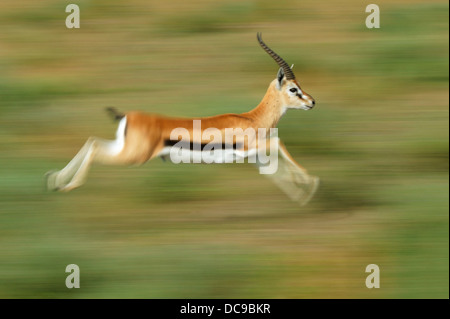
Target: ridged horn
point(287, 70)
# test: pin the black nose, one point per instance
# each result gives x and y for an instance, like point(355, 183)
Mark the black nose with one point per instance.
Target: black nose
point(313, 102)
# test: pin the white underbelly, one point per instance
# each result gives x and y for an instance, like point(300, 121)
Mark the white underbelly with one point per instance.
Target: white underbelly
point(219, 156)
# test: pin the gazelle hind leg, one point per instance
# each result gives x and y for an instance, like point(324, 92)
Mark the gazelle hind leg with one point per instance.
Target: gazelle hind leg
point(94, 150)
point(56, 179)
point(99, 152)
point(75, 173)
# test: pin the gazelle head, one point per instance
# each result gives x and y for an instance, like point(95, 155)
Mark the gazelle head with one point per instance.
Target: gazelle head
point(292, 96)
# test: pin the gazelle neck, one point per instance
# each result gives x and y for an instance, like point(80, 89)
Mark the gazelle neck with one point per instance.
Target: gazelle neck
point(269, 110)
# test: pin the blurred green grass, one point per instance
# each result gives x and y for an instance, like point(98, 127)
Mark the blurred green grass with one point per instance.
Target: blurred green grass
point(378, 139)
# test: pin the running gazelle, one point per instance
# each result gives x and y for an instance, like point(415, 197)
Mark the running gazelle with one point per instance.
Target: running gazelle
point(141, 137)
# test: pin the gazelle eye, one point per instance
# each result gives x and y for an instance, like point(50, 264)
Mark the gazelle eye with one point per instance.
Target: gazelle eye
point(293, 90)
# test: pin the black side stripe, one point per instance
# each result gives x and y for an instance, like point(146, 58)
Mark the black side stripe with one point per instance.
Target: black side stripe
point(190, 145)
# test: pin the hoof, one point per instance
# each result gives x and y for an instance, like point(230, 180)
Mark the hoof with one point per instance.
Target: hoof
point(313, 185)
point(50, 181)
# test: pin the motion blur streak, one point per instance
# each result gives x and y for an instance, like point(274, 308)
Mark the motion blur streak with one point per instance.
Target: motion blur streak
point(378, 139)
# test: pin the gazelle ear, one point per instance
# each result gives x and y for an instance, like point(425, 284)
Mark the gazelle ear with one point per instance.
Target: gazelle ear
point(280, 77)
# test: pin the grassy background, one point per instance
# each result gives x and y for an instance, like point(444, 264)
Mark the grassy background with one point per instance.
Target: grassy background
point(378, 139)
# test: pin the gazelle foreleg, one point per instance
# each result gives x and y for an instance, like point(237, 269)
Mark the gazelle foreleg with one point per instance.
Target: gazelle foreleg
point(308, 183)
point(291, 177)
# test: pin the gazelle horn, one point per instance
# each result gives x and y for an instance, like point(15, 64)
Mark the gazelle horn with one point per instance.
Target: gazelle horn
point(287, 70)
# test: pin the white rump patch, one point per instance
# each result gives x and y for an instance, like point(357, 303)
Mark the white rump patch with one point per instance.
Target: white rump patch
point(116, 146)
